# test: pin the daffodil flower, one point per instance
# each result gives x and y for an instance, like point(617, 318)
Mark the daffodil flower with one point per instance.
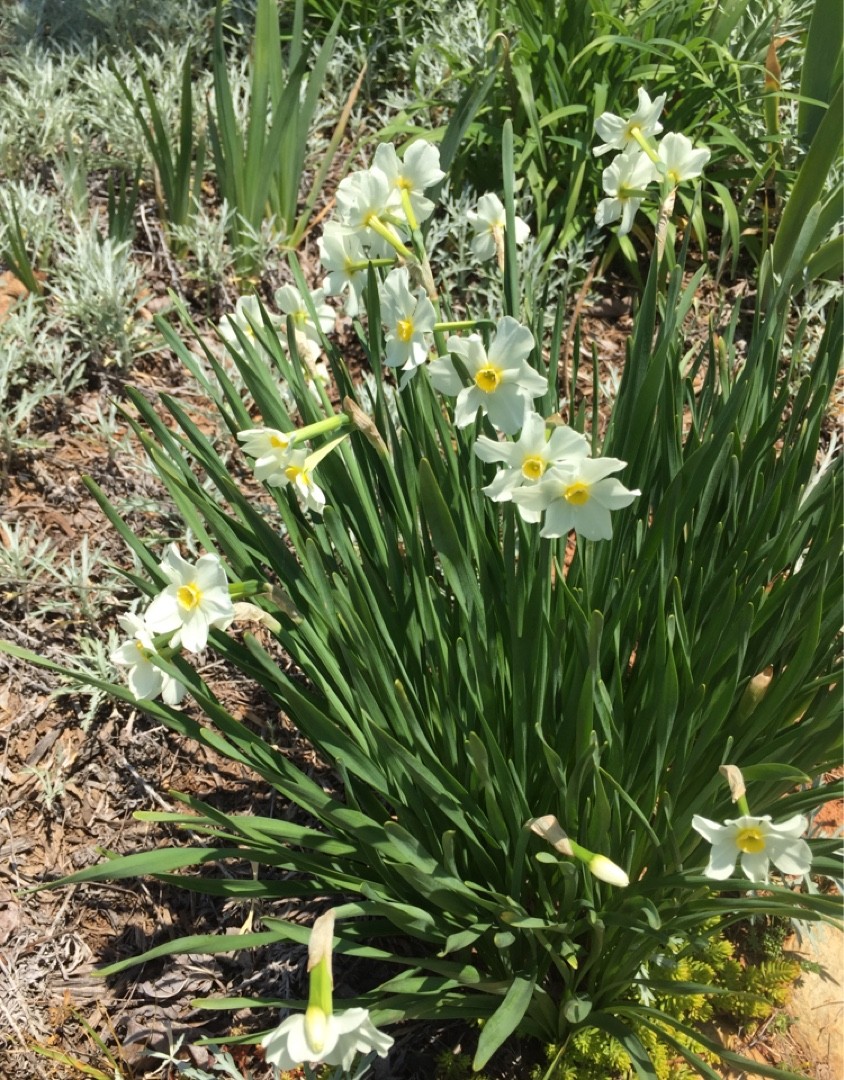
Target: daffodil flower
point(489, 222)
point(578, 495)
point(344, 1035)
point(291, 302)
point(366, 203)
point(196, 600)
point(619, 133)
point(362, 197)
point(624, 181)
point(756, 842)
point(342, 254)
point(271, 450)
point(145, 680)
point(321, 1036)
point(502, 384)
point(246, 314)
point(528, 458)
point(408, 320)
point(678, 159)
point(298, 474)
point(419, 170)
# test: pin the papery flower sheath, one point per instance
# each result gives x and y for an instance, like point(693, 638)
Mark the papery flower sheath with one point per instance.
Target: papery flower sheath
point(502, 383)
point(196, 600)
point(755, 842)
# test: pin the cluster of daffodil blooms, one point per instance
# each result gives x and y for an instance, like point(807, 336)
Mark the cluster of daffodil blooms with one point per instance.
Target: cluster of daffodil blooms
point(484, 372)
point(642, 161)
point(547, 470)
point(197, 599)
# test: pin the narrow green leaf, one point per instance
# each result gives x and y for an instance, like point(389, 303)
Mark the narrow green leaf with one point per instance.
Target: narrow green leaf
point(504, 1020)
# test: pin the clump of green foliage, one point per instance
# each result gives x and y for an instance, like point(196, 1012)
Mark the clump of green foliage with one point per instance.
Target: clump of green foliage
point(730, 990)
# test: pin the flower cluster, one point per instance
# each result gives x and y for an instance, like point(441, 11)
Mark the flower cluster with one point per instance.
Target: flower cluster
point(641, 160)
point(280, 460)
point(379, 211)
point(555, 475)
point(196, 600)
point(247, 319)
point(376, 207)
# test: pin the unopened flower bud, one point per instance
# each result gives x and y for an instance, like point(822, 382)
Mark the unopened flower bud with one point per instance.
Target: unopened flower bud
point(606, 870)
point(754, 692)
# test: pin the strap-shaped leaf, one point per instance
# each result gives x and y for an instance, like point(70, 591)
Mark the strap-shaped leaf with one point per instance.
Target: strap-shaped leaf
point(504, 1020)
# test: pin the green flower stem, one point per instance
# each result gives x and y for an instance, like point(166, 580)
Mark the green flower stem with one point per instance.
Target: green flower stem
point(321, 427)
point(741, 803)
point(407, 206)
point(161, 643)
point(580, 852)
point(239, 589)
point(377, 225)
point(460, 324)
point(364, 264)
point(636, 132)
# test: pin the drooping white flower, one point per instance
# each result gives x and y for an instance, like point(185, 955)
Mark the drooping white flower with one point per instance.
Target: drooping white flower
point(291, 302)
point(341, 253)
point(196, 600)
point(679, 160)
point(320, 1034)
point(246, 314)
point(408, 320)
point(578, 495)
point(345, 1034)
point(503, 384)
point(145, 680)
point(298, 473)
point(617, 132)
point(624, 180)
point(756, 841)
point(527, 459)
point(489, 222)
point(419, 170)
point(271, 449)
